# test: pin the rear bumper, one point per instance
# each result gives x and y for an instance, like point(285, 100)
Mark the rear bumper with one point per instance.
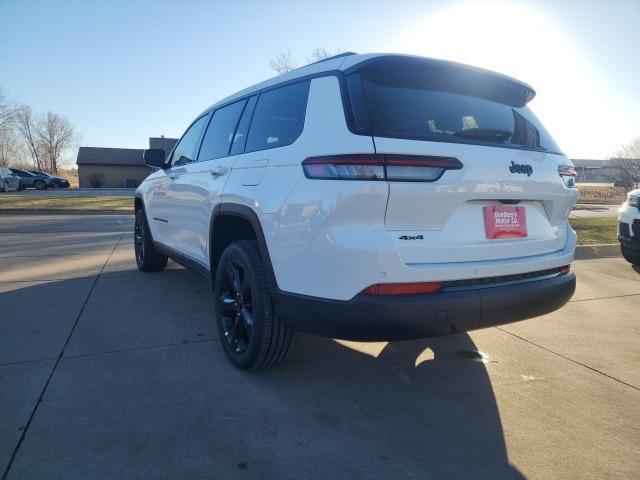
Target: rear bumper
point(372, 318)
point(630, 243)
point(629, 232)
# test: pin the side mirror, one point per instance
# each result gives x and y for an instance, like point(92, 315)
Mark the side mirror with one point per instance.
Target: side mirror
point(154, 157)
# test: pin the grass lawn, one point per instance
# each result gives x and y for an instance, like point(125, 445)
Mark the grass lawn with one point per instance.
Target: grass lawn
point(609, 201)
point(592, 231)
point(70, 204)
point(608, 195)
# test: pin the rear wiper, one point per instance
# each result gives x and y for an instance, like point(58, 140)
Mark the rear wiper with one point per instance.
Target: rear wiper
point(489, 134)
point(532, 147)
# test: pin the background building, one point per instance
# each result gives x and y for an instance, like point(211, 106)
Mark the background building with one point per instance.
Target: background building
point(591, 171)
point(116, 167)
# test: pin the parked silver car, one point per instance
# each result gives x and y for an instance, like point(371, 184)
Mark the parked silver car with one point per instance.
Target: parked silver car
point(8, 181)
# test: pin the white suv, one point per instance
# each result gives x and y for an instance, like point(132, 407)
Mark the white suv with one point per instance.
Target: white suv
point(364, 197)
point(629, 228)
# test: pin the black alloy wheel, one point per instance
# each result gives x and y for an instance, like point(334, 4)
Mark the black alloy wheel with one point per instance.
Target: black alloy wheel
point(236, 307)
point(138, 239)
point(148, 259)
point(252, 335)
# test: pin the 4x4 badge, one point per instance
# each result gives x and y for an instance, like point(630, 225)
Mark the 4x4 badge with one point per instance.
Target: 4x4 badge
point(411, 237)
point(521, 168)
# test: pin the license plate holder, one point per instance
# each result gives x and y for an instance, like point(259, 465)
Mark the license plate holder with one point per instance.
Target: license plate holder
point(505, 221)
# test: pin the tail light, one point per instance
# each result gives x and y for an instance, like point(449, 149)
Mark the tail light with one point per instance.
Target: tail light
point(402, 288)
point(397, 168)
point(568, 175)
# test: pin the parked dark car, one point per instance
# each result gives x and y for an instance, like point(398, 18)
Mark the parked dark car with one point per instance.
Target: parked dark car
point(29, 180)
point(8, 181)
point(56, 182)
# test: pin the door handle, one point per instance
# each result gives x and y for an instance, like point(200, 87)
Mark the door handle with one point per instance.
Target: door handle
point(173, 176)
point(218, 171)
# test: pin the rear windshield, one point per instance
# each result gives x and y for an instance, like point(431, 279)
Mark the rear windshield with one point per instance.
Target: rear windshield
point(445, 105)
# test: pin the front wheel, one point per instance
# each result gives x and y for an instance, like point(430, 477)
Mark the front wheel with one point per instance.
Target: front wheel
point(252, 335)
point(148, 258)
point(630, 256)
point(5, 187)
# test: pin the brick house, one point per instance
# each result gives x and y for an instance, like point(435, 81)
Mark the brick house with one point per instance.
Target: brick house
point(116, 167)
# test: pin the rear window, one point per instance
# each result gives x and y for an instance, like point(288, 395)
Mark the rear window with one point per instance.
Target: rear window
point(445, 104)
point(278, 119)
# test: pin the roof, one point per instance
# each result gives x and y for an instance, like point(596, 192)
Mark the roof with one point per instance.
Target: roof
point(164, 143)
point(327, 65)
point(346, 63)
point(589, 163)
point(110, 156)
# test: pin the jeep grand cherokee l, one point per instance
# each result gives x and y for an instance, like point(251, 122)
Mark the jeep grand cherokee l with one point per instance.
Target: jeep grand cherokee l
point(365, 197)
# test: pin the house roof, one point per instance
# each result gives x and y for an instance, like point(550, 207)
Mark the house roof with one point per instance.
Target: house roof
point(110, 156)
point(122, 156)
point(163, 143)
point(590, 163)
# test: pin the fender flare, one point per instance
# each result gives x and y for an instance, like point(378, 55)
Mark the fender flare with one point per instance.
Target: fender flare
point(138, 196)
point(225, 209)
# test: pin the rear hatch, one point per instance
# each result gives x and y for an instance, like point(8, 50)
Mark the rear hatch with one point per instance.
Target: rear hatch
point(503, 199)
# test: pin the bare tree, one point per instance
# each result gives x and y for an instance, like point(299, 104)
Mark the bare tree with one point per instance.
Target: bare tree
point(317, 54)
point(9, 146)
point(27, 126)
point(10, 152)
point(283, 62)
point(55, 136)
point(625, 164)
point(7, 111)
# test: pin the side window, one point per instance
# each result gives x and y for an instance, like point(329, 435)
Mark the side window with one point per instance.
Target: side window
point(240, 138)
point(279, 117)
point(187, 147)
point(219, 135)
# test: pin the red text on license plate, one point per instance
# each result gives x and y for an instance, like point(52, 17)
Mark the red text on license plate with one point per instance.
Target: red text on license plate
point(505, 221)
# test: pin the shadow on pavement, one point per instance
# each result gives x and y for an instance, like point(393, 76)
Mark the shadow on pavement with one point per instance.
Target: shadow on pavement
point(173, 407)
point(421, 409)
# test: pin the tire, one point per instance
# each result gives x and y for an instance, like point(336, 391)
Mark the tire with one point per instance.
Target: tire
point(630, 256)
point(5, 187)
point(20, 187)
point(252, 335)
point(40, 185)
point(148, 258)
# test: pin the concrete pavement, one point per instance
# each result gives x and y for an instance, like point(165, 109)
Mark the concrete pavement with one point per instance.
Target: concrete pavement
point(593, 211)
point(106, 372)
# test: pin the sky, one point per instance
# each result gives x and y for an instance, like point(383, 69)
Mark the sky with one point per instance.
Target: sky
point(122, 71)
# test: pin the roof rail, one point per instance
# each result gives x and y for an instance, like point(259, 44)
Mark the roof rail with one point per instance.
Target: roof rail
point(340, 55)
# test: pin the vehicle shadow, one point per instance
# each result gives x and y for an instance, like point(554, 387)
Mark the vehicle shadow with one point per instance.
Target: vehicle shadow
point(138, 362)
point(418, 409)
